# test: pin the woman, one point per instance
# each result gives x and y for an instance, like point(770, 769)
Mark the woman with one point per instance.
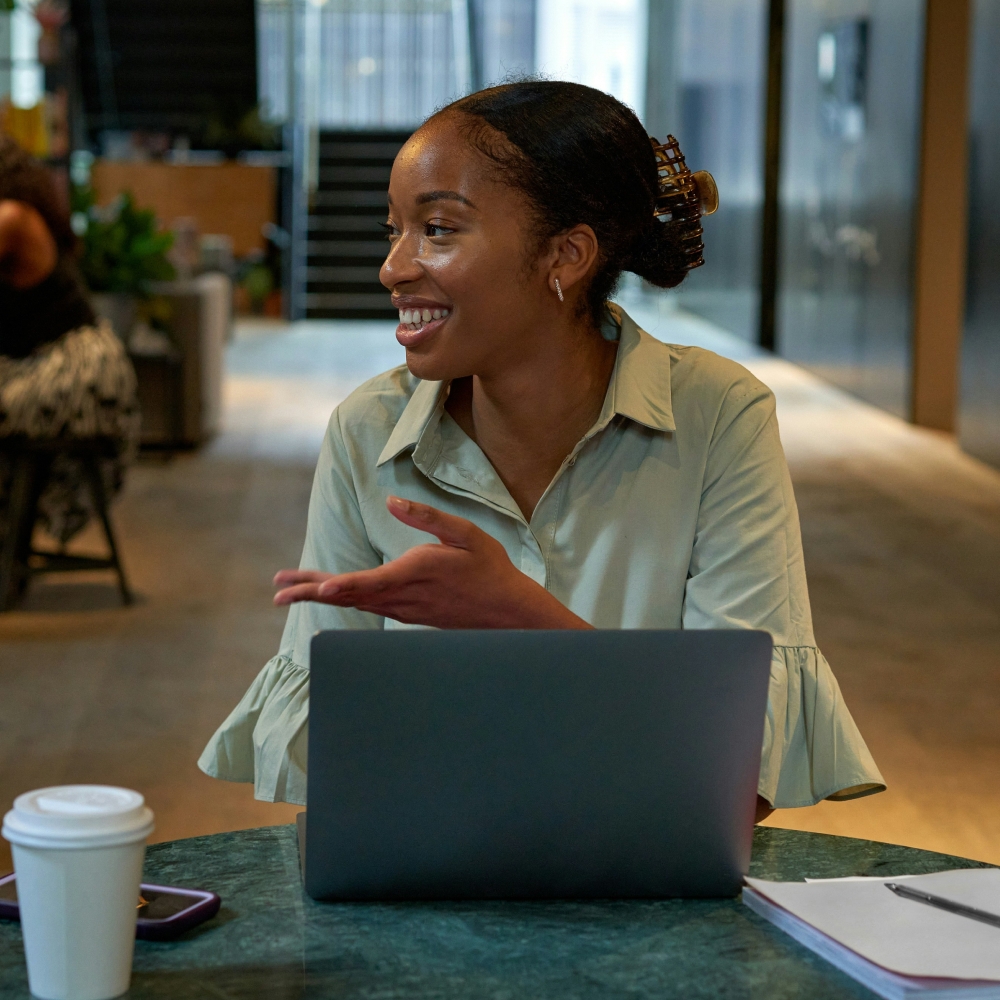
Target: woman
point(62, 375)
point(576, 472)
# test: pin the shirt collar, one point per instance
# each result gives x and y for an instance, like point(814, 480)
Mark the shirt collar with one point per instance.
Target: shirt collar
point(639, 390)
point(421, 413)
point(640, 382)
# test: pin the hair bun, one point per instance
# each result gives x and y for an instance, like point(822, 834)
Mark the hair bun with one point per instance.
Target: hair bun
point(659, 255)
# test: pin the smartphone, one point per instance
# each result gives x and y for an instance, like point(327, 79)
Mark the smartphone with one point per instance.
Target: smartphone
point(164, 912)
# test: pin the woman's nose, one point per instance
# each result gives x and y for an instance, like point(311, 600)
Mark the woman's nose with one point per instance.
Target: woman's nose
point(400, 264)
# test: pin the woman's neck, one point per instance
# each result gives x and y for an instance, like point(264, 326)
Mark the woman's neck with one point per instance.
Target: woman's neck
point(529, 415)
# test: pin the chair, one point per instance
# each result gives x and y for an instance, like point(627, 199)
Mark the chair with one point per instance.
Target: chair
point(30, 462)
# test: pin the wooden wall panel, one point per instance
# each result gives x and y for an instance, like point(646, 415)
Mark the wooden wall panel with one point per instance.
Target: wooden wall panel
point(942, 217)
point(231, 198)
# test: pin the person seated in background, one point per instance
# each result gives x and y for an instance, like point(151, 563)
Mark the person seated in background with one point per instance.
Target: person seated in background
point(63, 374)
point(576, 472)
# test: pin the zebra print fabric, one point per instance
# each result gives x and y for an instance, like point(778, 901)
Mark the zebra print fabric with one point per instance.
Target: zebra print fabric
point(81, 386)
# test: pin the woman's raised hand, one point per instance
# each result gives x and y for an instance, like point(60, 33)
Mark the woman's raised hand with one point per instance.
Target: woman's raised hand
point(467, 581)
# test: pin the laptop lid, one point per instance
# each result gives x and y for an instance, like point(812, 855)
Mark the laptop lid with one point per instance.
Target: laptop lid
point(533, 764)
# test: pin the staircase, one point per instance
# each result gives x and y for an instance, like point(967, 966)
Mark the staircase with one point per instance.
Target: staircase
point(346, 245)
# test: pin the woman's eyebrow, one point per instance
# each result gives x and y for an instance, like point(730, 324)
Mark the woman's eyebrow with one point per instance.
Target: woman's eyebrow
point(428, 196)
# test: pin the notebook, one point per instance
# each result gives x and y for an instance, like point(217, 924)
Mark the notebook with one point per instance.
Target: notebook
point(896, 947)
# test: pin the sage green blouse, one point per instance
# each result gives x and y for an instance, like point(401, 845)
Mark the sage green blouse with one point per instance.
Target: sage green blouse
point(675, 510)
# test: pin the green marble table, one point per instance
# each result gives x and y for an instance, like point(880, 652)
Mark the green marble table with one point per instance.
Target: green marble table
point(272, 941)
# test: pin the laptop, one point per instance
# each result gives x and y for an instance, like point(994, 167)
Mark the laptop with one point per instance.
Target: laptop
point(532, 764)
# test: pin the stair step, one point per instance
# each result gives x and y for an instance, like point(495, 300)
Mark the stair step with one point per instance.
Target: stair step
point(367, 224)
point(374, 264)
point(361, 150)
point(355, 301)
point(367, 273)
point(347, 248)
point(351, 199)
point(354, 174)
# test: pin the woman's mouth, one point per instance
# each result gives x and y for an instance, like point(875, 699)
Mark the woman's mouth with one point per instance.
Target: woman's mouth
point(417, 323)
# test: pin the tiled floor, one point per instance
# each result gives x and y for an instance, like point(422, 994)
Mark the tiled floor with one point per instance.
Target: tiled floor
point(902, 539)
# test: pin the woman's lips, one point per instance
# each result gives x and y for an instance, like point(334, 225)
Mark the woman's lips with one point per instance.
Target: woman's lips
point(413, 328)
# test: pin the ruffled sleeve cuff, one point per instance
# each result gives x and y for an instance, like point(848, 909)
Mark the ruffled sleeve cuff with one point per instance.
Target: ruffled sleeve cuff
point(812, 747)
point(265, 738)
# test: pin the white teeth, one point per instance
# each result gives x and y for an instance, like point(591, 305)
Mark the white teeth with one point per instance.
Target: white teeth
point(417, 317)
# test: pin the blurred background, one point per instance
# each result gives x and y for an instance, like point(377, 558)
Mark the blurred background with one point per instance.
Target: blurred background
point(226, 165)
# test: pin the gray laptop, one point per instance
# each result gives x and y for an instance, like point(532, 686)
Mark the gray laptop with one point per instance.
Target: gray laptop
point(532, 765)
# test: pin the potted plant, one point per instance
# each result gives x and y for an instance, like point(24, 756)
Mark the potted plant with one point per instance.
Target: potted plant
point(124, 252)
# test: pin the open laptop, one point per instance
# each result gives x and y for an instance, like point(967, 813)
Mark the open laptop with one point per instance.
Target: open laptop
point(532, 764)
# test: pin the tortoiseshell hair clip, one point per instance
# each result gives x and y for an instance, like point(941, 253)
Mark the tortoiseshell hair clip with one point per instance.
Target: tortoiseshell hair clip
point(683, 198)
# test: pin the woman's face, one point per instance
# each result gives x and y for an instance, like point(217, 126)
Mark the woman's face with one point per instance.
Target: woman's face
point(460, 262)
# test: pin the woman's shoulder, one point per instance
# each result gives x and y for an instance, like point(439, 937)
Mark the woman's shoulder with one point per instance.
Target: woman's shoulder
point(714, 386)
point(696, 376)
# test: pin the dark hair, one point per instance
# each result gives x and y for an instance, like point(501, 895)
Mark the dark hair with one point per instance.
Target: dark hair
point(23, 178)
point(580, 156)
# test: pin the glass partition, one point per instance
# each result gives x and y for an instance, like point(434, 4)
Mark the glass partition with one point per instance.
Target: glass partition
point(601, 43)
point(503, 37)
point(852, 98)
point(707, 78)
point(365, 64)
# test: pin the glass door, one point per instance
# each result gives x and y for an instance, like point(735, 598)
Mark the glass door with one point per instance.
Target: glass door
point(851, 130)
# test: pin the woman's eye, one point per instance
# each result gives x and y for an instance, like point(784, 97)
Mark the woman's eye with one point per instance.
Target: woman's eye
point(391, 232)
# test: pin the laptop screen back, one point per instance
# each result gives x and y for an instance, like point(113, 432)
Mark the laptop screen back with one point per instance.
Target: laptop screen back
point(533, 764)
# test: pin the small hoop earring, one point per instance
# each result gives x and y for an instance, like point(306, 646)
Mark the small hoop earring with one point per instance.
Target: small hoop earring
point(559, 291)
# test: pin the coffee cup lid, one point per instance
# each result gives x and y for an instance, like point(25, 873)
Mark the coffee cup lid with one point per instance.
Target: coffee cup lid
point(75, 816)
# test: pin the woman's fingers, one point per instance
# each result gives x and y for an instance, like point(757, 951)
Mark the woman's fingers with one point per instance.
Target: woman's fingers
point(409, 585)
point(311, 585)
point(365, 584)
point(342, 597)
point(288, 577)
point(348, 589)
point(454, 531)
point(299, 592)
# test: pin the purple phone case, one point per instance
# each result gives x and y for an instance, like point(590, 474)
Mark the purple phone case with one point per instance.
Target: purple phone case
point(204, 907)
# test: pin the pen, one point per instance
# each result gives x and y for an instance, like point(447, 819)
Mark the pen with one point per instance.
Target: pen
point(944, 904)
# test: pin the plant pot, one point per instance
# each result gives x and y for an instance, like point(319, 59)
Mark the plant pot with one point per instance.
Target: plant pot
point(118, 309)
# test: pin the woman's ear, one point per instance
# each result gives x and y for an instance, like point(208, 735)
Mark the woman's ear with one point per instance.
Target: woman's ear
point(574, 255)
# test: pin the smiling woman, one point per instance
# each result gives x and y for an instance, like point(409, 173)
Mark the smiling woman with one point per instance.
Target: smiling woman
point(540, 462)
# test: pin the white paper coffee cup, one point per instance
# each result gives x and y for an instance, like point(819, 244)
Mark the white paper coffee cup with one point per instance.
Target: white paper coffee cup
point(78, 853)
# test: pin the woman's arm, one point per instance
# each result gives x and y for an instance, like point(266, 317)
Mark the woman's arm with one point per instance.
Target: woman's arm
point(747, 571)
point(28, 251)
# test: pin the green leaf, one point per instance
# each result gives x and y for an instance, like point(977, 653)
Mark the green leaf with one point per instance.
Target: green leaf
point(123, 250)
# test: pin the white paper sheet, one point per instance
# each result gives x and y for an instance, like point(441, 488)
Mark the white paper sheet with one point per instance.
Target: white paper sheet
point(899, 934)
